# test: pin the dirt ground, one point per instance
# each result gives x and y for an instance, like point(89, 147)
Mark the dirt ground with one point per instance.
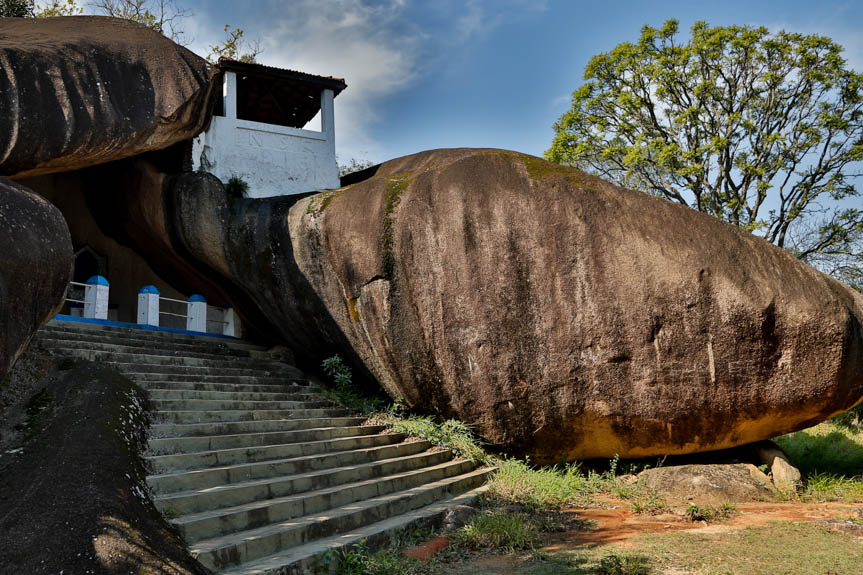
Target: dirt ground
point(71, 482)
point(613, 528)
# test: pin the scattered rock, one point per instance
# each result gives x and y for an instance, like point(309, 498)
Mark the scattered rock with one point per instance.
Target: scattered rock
point(710, 484)
point(785, 476)
point(86, 90)
point(35, 267)
point(456, 517)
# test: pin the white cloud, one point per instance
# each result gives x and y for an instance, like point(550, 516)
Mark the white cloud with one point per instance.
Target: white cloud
point(367, 45)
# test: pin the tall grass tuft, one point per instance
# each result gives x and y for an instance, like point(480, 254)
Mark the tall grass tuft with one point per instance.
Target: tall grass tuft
point(545, 487)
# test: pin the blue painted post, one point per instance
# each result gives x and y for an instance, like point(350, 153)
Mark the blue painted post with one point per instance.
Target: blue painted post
point(196, 318)
point(96, 298)
point(148, 306)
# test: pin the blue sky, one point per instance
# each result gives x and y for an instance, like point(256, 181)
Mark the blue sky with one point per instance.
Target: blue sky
point(489, 73)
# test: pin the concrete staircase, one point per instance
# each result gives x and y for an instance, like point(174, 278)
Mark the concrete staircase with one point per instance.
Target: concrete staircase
point(255, 468)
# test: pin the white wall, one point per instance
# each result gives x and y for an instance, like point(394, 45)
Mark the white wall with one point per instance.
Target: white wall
point(273, 160)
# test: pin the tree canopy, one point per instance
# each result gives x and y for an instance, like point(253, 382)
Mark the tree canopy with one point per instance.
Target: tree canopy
point(16, 8)
point(762, 130)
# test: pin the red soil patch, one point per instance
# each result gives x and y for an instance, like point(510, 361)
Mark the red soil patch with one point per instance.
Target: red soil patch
point(428, 549)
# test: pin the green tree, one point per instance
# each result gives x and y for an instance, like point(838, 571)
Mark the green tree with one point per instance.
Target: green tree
point(16, 8)
point(58, 8)
point(762, 130)
point(234, 47)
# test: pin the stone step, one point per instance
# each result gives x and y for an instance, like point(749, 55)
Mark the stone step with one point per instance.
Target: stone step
point(228, 415)
point(237, 455)
point(176, 445)
point(210, 524)
point(307, 558)
point(88, 331)
point(230, 474)
point(220, 496)
point(173, 430)
point(164, 405)
point(295, 386)
point(165, 357)
point(116, 345)
point(239, 395)
point(147, 376)
point(284, 370)
point(244, 546)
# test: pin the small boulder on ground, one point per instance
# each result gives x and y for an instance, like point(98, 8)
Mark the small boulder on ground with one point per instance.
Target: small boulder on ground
point(785, 476)
point(712, 484)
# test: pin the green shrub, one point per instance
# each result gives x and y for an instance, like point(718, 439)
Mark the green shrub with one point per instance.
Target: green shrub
point(344, 390)
point(504, 532)
point(236, 188)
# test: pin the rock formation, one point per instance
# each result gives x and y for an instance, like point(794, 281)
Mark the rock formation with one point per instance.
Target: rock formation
point(35, 267)
point(564, 316)
point(86, 90)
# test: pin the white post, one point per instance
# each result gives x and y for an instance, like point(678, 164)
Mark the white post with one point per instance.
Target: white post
point(229, 95)
point(328, 125)
point(96, 298)
point(232, 323)
point(148, 306)
point(196, 318)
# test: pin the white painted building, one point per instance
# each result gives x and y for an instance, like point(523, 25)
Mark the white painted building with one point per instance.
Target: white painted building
point(258, 131)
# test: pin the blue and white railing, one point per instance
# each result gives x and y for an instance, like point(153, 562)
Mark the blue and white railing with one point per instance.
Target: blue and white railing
point(95, 300)
point(194, 311)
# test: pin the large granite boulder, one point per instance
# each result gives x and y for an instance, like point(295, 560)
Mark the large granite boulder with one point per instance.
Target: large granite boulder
point(35, 267)
point(563, 316)
point(85, 90)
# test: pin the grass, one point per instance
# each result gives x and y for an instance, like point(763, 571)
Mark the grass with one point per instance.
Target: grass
point(357, 560)
point(452, 434)
point(830, 459)
point(546, 487)
point(825, 448)
point(780, 548)
point(710, 513)
point(647, 502)
point(501, 532)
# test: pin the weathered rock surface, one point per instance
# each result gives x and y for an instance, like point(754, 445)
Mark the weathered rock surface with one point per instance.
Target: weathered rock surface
point(564, 316)
point(35, 267)
point(84, 90)
point(711, 484)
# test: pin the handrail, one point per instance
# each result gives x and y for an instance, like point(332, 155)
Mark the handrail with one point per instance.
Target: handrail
point(78, 284)
point(174, 300)
point(173, 314)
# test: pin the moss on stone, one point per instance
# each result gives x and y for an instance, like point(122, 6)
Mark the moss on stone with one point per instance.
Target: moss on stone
point(539, 169)
point(395, 188)
point(352, 309)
